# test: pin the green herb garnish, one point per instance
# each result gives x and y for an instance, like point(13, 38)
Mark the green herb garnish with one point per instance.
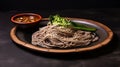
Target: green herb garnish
point(57, 20)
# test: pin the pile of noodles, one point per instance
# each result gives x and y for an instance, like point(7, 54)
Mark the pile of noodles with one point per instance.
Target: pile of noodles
point(53, 36)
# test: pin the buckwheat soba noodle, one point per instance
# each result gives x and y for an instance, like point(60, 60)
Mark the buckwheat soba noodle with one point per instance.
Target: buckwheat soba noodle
point(56, 35)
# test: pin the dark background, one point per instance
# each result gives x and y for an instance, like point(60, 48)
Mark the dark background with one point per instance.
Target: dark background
point(106, 12)
point(7, 5)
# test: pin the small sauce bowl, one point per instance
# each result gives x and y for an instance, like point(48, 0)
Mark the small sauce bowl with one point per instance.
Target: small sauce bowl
point(26, 20)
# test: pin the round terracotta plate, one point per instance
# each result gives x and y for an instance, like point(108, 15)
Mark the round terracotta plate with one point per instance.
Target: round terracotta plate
point(23, 37)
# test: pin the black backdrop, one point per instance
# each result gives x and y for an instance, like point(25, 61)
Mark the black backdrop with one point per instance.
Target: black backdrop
point(56, 4)
point(12, 55)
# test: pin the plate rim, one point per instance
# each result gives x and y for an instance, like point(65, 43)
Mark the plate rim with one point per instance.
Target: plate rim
point(41, 49)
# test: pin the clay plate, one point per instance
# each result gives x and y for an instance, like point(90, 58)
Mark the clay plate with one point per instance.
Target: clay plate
point(23, 37)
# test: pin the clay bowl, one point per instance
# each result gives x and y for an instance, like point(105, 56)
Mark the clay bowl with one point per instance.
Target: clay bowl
point(26, 20)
